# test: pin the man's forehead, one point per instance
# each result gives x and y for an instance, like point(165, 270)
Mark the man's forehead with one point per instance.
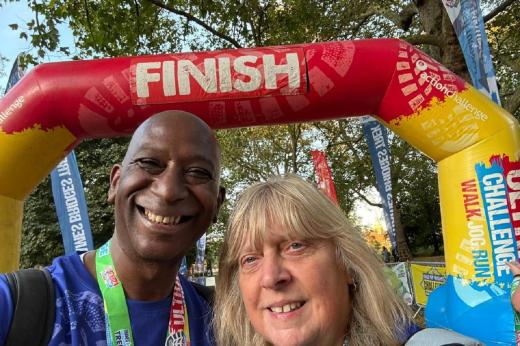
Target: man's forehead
point(184, 132)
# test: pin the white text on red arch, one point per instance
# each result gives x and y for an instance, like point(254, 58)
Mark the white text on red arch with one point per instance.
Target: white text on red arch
point(174, 79)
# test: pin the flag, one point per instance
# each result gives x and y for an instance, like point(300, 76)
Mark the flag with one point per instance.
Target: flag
point(323, 174)
point(377, 140)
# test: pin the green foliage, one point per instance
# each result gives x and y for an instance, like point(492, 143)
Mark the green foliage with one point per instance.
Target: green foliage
point(41, 237)
point(95, 160)
point(504, 38)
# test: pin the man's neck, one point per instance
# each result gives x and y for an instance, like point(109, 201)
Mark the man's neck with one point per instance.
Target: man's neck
point(145, 281)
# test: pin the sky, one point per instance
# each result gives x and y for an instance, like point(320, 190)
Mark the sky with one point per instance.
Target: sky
point(367, 215)
point(10, 42)
point(12, 12)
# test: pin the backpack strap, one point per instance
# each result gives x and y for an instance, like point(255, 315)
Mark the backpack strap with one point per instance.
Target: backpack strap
point(32, 291)
point(207, 292)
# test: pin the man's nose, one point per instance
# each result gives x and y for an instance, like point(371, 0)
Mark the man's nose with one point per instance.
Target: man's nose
point(170, 185)
point(275, 274)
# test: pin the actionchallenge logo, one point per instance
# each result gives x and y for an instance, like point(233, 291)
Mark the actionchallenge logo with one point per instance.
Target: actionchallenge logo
point(17, 104)
point(435, 81)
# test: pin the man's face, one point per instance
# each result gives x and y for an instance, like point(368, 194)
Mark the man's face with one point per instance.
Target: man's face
point(166, 192)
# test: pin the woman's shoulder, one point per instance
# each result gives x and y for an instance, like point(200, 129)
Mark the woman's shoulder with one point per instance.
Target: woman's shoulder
point(439, 336)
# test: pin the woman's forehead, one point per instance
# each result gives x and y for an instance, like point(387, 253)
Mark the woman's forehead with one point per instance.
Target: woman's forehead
point(271, 233)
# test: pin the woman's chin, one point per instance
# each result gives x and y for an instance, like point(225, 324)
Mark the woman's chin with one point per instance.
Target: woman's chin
point(293, 338)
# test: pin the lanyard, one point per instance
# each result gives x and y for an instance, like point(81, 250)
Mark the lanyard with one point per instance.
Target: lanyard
point(119, 330)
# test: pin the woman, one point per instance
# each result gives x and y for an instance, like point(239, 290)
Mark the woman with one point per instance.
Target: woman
point(294, 272)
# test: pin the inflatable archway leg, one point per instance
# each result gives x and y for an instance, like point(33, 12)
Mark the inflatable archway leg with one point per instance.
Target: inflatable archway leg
point(35, 152)
point(478, 245)
point(11, 214)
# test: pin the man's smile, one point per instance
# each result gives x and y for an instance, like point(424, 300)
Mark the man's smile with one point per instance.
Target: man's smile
point(163, 219)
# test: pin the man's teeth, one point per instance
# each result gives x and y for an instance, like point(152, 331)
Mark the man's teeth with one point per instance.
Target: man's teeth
point(286, 308)
point(167, 220)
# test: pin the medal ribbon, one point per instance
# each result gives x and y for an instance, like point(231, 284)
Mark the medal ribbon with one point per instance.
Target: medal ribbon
point(119, 329)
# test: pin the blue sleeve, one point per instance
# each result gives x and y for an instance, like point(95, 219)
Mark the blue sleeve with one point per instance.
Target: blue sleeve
point(6, 309)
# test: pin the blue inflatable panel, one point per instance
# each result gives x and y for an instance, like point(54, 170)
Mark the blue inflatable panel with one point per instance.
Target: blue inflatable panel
point(481, 312)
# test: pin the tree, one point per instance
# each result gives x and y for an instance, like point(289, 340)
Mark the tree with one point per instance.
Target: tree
point(112, 28)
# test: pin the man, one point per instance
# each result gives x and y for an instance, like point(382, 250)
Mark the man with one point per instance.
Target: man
point(166, 194)
point(386, 255)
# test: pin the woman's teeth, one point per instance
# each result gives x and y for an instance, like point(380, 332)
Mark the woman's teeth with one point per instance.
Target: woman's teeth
point(165, 220)
point(286, 308)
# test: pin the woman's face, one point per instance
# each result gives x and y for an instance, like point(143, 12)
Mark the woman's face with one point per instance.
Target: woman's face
point(294, 291)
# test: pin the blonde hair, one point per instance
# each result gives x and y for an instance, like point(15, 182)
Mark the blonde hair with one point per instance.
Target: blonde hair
point(378, 315)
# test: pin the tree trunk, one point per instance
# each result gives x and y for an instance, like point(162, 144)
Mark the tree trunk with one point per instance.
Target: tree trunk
point(436, 22)
point(402, 246)
point(436, 241)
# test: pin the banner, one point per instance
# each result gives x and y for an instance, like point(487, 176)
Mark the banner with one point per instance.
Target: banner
point(466, 17)
point(71, 207)
point(426, 278)
point(183, 270)
point(15, 75)
point(403, 284)
point(323, 174)
point(377, 139)
point(200, 271)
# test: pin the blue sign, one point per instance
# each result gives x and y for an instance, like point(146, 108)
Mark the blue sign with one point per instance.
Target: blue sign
point(15, 75)
point(467, 21)
point(71, 207)
point(377, 139)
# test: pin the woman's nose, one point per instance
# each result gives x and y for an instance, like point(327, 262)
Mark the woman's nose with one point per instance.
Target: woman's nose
point(275, 274)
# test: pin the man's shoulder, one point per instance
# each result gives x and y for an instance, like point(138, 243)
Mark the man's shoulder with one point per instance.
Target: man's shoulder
point(69, 270)
point(197, 293)
point(206, 292)
point(6, 308)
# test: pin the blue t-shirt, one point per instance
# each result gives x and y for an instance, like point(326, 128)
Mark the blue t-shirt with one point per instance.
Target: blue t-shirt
point(80, 319)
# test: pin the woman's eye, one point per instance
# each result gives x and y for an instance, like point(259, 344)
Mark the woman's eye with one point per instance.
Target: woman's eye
point(296, 246)
point(247, 260)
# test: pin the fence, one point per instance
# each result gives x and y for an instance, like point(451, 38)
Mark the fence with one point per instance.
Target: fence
point(414, 280)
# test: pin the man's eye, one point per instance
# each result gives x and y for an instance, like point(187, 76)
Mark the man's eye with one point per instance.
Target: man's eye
point(150, 165)
point(198, 175)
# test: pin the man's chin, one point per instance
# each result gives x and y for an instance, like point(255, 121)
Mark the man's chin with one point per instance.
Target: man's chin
point(146, 250)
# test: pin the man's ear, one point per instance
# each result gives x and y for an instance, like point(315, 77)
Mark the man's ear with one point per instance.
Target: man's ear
point(115, 174)
point(220, 200)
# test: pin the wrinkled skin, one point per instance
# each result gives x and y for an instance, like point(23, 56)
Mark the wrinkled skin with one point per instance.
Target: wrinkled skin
point(294, 291)
point(166, 194)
